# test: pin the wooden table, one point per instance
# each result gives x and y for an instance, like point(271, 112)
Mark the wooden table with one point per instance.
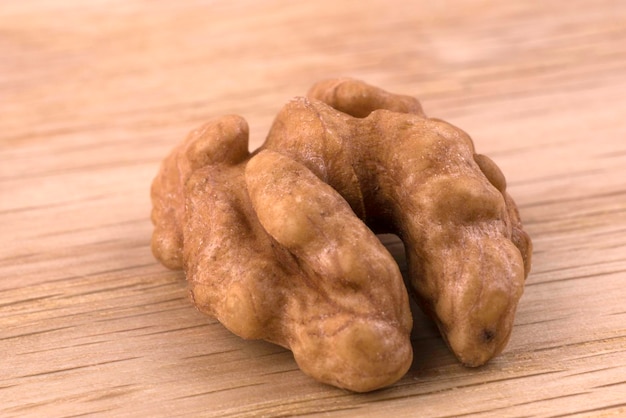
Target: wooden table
point(94, 94)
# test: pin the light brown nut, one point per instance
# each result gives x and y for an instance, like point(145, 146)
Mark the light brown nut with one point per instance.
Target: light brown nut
point(271, 246)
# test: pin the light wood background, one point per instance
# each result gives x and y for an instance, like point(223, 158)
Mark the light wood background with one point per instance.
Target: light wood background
point(93, 94)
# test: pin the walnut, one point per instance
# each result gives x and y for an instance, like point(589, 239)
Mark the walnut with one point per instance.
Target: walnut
point(280, 244)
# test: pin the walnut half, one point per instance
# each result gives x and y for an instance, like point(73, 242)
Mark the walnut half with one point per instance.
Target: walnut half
point(280, 244)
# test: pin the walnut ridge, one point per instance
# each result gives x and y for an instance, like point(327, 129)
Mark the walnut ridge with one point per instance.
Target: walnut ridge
point(280, 244)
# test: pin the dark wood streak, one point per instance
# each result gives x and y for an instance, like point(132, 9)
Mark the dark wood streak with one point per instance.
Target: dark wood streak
point(69, 369)
point(146, 313)
point(587, 411)
point(542, 321)
point(536, 282)
point(30, 300)
point(178, 329)
point(612, 154)
point(535, 401)
point(581, 343)
point(315, 412)
point(119, 269)
point(32, 333)
point(463, 386)
point(291, 370)
point(591, 371)
point(608, 385)
point(48, 349)
point(121, 331)
point(212, 392)
point(97, 227)
point(291, 408)
point(90, 413)
point(215, 353)
point(602, 354)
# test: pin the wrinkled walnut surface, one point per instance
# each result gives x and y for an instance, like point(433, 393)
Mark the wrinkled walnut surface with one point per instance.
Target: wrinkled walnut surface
point(280, 244)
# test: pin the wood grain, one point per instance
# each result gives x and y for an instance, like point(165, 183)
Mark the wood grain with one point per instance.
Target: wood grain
point(94, 94)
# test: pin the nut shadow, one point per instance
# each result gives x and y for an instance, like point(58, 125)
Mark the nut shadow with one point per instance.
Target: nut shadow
point(430, 352)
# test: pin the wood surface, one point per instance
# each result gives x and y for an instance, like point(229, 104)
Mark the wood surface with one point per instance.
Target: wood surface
point(93, 94)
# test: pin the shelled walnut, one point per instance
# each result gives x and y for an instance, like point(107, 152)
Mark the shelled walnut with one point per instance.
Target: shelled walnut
point(280, 244)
